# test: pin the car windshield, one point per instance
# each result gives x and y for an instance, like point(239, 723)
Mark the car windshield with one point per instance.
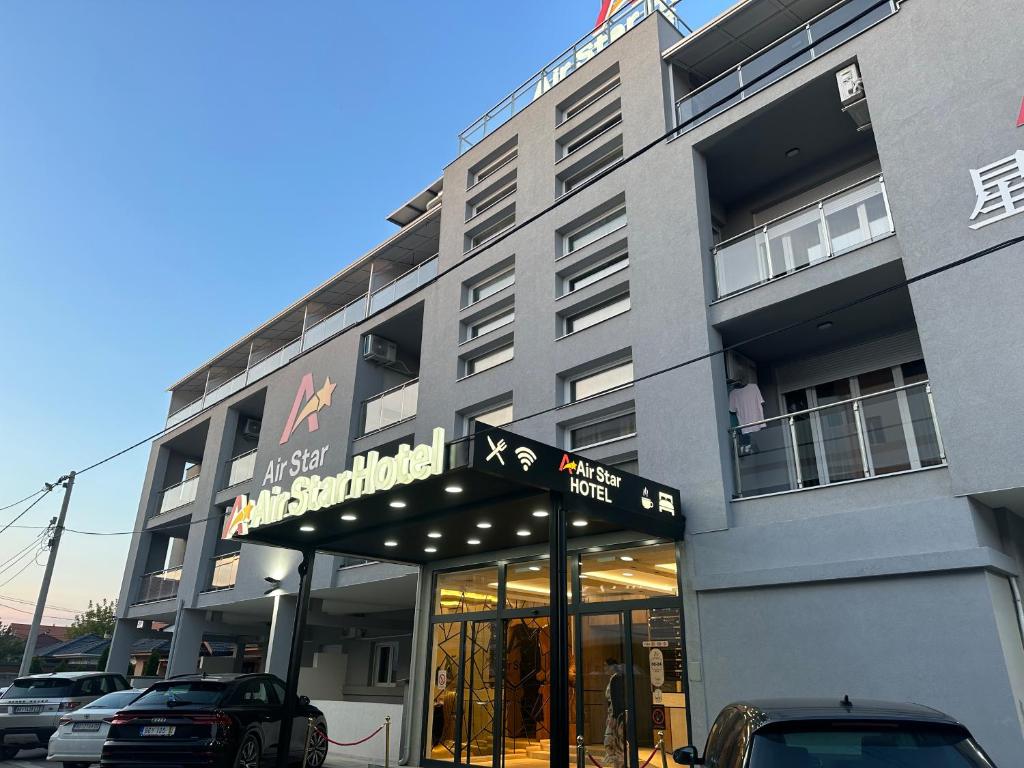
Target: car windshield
point(39, 688)
point(114, 700)
point(182, 694)
point(907, 745)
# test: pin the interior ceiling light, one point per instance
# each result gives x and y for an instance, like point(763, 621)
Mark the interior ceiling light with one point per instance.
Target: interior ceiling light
point(534, 568)
point(397, 505)
point(579, 523)
point(453, 489)
point(348, 517)
point(390, 543)
point(430, 549)
point(522, 532)
point(626, 558)
point(483, 524)
point(792, 151)
point(627, 574)
point(307, 528)
point(644, 580)
point(540, 513)
point(434, 535)
point(826, 326)
point(473, 542)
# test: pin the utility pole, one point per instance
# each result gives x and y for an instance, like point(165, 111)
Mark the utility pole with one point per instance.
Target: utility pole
point(44, 589)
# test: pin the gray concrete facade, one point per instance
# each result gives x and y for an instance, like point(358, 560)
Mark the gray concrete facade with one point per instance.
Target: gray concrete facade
point(896, 586)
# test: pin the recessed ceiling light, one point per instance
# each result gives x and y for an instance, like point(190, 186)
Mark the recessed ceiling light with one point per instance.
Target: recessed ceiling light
point(825, 326)
point(579, 523)
point(307, 528)
point(627, 574)
point(792, 151)
point(348, 517)
point(473, 542)
point(434, 535)
point(540, 513)
point(397, 505)
point(534, 568)
point(430, 549)
point(390, 543)
point(626, 559)
point(453, 489)
point(522, 532)
point(483, 524)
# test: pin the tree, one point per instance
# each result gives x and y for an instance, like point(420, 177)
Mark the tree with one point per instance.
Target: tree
point(98, 619)
point(11, 646)
point(152, 664)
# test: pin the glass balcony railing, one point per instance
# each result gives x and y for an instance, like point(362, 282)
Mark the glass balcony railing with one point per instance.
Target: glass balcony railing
point(832, 226)
point(241, 468)
point(869, 436)
point(161, 585)
point(568, 62)
point(390, 407)
point(224, 571)
point(178, 495)
point(322, 330)
point(825, 32)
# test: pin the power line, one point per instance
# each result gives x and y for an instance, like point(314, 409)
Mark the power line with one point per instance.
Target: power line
point(21, 514)
point(21, 570)
point(19, 610)
point(21, 501)
point(50, 606)
point(11, 561)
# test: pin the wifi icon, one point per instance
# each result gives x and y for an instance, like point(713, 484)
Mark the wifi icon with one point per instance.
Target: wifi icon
point(526, 457)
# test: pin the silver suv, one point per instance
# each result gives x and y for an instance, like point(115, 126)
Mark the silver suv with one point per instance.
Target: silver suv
point(31, 706)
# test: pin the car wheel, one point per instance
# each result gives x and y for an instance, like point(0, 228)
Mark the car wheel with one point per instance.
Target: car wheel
point(248, 753)
point(317, 748)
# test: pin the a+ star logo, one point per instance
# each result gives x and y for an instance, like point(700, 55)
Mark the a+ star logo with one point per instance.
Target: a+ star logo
point(307, 404)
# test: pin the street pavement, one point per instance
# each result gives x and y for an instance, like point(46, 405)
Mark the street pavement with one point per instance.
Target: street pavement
point(36, 758)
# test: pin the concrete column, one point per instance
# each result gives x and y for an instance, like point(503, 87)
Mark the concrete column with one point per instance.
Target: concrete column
point(236, 665)
point(281, 627)
point(126, 632)
point(186, 643)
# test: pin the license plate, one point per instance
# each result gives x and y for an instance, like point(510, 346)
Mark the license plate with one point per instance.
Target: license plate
point(78, 727)
point(27, 710)
point(158, 730)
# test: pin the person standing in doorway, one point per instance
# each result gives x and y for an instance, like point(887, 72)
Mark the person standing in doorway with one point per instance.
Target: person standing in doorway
point(614, 729)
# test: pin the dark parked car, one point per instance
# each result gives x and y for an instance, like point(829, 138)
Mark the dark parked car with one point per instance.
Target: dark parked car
point(212, 720)
point(814, 733)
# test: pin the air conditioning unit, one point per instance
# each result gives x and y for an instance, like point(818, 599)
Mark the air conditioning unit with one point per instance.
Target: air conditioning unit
point(851, 84)
point(739, 368)
point(251, 428)
point(377, 349)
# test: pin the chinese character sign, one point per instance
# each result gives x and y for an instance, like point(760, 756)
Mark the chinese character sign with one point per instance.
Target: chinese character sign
point(1000, 190)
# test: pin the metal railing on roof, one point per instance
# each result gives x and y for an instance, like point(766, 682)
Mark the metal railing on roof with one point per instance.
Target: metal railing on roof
point(331, 325)
point(571, 59)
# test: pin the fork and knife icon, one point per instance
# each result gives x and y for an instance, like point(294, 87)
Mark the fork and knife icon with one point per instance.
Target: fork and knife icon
point(496, 450)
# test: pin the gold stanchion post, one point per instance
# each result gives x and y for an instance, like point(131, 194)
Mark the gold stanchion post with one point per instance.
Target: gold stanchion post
point(387, 741)
point(581, 753)
point(661, 745)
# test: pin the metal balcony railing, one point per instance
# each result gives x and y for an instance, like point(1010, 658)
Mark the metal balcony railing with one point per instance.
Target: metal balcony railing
point(789, 53)
point(574, 57)
point(868, 436)
point(331, 325)
point(178, 495)
point(844, 221)
point(224, 571)
point(241, 467)
point(160, 585)
point(390, 407)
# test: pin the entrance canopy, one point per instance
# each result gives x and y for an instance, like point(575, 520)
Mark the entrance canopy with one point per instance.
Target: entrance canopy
point(444, 500)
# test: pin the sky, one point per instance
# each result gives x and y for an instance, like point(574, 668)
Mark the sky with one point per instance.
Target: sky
point(172, 175)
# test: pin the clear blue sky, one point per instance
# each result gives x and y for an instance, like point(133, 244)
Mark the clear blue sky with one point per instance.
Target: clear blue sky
point(172, 174)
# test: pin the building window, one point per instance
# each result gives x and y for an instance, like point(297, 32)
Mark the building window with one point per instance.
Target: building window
point(495, 417)
point(596, 314)
point(491, 323)
point(604, 380)
point(491, 200)
point(584, 100)
point(588, 136)
point(596, 273)
point(604, 431)
point(489, 360)
point(595, 230)
point(491, 231)
point(489, 286)
point(385, 663)
point(603, 161)
point(489, 169)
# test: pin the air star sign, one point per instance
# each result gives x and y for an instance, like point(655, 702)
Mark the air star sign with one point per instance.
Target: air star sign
point(308, 403)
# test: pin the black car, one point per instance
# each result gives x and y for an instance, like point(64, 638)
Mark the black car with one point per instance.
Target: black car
point(212, 720)
point(814, 733)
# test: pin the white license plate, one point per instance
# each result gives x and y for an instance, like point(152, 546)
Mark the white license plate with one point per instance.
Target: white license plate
point(79, 727)
point(27, 710)
point(158, 730)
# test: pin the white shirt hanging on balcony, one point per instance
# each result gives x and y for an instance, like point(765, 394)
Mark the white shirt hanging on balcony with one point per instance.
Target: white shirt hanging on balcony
point(748, 405)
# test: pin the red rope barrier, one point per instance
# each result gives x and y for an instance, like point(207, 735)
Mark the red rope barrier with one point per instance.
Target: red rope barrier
point(591, 757)
point(354, 743)
point(650, 758)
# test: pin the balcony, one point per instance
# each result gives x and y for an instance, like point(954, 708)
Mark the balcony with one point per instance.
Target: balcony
point(822, 34)
point(390, 407)
point(241, 467)
point(329, 326)
point(873, 435)
point(178, 495)
point(842, 222)
point(224, 571)
point(160, 585)
point(574, 57)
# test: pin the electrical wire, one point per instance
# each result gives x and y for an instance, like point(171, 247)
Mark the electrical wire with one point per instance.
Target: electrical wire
point(21, 514)
point(29, 613)
point(52, 607)
point(20, 555)
point(21, 501)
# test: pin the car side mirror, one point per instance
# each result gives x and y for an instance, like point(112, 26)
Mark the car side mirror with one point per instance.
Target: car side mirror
point(303, 701)
point(687, 756)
